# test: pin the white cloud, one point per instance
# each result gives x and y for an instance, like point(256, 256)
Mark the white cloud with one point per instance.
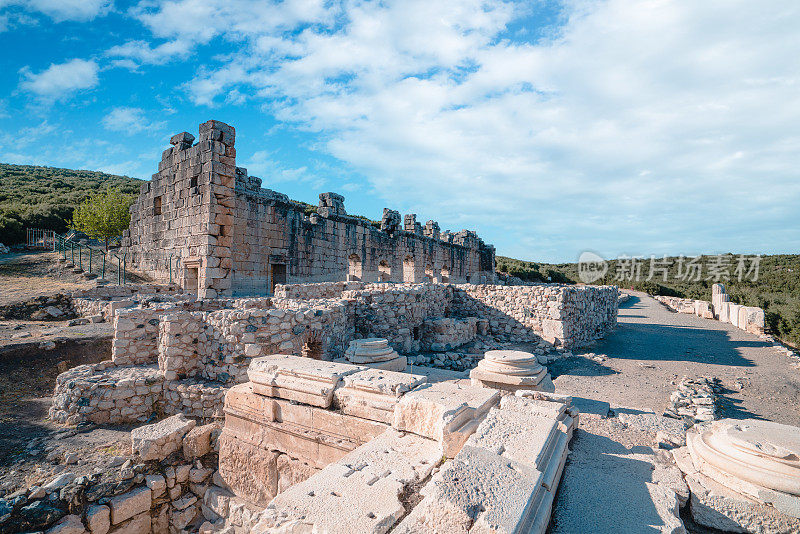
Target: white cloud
point(61, 10)
point(59, 81)
point(633, 127)
point(130, 121)
point(141, 52)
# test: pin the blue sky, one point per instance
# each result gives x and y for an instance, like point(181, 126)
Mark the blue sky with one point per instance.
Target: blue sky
point(550, 128)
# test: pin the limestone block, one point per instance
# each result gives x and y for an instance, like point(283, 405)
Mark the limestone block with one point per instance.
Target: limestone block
point(98, 518)
point(743, 475)
point(197, 441)
point(477, 492)
point(529, 432)
point(129, 504)
point(141, 524)
point(296, 378)
point(70, 524)
point(159, 440)
point(157, 484)
point(373, 393)
point(364, 487)
point(446, 412)
point(217, 500)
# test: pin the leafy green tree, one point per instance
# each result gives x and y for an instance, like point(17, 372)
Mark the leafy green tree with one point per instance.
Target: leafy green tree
point(103, 215)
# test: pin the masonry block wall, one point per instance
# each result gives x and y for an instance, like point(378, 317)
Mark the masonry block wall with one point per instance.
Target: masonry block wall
point(212, 228)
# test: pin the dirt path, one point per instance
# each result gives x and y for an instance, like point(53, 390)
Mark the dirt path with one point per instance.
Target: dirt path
point(652, 348)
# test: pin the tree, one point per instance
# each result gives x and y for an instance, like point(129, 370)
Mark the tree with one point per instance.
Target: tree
point(103, 215)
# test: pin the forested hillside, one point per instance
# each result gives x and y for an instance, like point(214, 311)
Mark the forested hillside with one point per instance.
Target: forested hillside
point(45, 197)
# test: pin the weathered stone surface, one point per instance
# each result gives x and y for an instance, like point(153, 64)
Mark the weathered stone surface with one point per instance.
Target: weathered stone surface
point(299, 379)
point(364, 487)
point(511, 370)
point(129, 504)
point(373, 393)
point(477, 490)
point(157, 441)
point(70, 524)
point(744, 473)
point(445, 412)
point(141, 524)
point(98, 519)
point(197, 441)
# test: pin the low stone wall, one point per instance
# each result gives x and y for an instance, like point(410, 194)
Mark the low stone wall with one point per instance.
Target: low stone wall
point(204, 346)
point(568, 316)
point(748, 318)
point(173, 487)
point(444, 334)
point(323, 290)
point(106, 393)
point(396, 311)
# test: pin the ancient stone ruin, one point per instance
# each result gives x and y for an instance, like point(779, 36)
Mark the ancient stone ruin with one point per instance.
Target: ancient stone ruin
point(205, 222)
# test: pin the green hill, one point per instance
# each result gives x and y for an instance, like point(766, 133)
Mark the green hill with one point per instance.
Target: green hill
point(776, 289)
point(44, 197)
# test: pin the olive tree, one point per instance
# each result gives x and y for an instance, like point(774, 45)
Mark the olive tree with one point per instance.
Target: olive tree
point(103, 215)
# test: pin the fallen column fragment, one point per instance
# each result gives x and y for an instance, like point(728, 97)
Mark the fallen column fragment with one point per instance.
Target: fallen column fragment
point(511, 370)
point(744, 475)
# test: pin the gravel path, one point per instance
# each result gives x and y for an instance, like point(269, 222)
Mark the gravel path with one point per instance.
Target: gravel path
point(652, 348)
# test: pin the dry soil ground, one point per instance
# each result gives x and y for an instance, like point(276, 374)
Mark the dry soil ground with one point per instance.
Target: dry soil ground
point(28, 368)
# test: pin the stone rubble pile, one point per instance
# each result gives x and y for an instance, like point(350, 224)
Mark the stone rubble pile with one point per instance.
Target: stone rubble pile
point(510, 371)
point(744, 475)
point(170, 483)
point(446, 333)
point(56, 307)
point(376, 353)
point(695, 400)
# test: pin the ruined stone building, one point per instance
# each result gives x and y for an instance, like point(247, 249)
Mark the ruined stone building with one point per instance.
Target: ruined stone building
point(203, 221)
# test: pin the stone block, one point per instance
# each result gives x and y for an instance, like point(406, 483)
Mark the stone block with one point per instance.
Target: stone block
point(159, 440)
point(197, 441)
point(141, 524)
point(365, 487)
point(298, 379)
point(446, 412)
point(373, 393)
point(127, 505)
point(157, 484)
point(98, 518)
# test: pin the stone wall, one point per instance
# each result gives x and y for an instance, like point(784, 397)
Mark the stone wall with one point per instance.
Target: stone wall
point(180, 356)
point(218, 232)
point(171, 487)
point(568, 316)
point(748, 318)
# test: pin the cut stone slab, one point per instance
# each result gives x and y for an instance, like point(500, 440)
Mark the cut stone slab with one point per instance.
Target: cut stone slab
point(258, 428)
point(298, 379)
point(159, 440)
point(477, 491)
point(446, 412)
point(127, 505)
point(528, 433)
point(373, 393)
point(359, 493)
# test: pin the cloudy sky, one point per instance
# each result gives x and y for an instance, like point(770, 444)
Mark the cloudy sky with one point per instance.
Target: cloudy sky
point(626, 127)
